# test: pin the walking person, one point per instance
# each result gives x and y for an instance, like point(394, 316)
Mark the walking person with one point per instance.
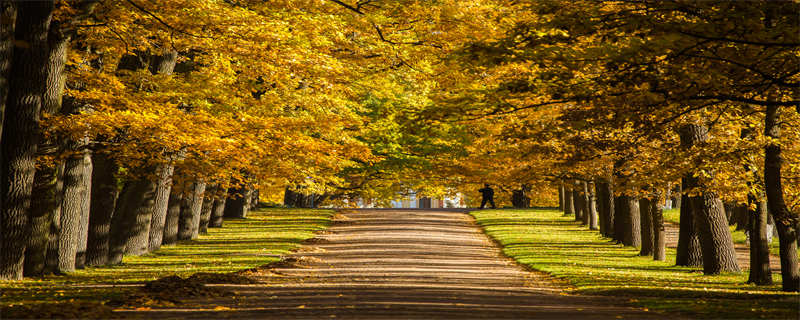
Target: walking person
point(487, 195)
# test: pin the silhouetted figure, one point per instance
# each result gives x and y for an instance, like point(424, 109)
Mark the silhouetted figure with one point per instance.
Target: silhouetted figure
point(487, 195)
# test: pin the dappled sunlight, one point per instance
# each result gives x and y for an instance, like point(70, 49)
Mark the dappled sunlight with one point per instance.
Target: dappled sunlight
point(241, 244)
point(546, 240)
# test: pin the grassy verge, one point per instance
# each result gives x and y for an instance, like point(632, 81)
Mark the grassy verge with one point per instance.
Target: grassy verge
point(674, 216)
point(547, 241)
point(240, 244)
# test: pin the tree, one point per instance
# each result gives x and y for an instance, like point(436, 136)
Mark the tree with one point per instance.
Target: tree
point(21, 131)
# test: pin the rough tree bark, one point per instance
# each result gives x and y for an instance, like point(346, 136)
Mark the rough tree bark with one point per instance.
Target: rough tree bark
point(627, 227)
point(47, 187)
point(760, 272)
point(646, 223)
point(160, 206)
point(20, 134)
point(561, 196)
point(569, 206)
point(71, 210)
point(171, 223)
point(785, 221)
point(218, 212)
point(101, 208)
point(577, 199)
point(659, 234)
point(756, 222)
point(606, 208)
point(185, 221)
point(136, 196)
point(688, 251)
point(593, 219)
point(8, 16)
point(716, 242)
point(633, 233)
point(197, 207)
point(208, 206)
point(83, 234)
point(587, 204)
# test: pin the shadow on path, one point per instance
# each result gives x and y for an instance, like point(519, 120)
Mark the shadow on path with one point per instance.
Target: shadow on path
point(400, 264)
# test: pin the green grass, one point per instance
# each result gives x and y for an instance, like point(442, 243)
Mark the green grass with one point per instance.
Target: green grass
point(674, 216)
point(547, 241)
point(241, 244)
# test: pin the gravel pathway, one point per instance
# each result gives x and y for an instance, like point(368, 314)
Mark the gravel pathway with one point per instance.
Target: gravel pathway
point(401, 264)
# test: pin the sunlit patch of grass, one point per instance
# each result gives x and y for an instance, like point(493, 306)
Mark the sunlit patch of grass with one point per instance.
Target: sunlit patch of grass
point(240, 244)
point(546, 240)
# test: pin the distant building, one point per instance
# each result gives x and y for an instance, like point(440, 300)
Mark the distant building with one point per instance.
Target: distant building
point(413, 202)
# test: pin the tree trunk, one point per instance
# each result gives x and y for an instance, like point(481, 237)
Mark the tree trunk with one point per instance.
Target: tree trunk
point(135, 202)
point(716, 242)
point(646, 223)
point(729, 209)
point(46, 194)
point(48, 188)
point(197, 207)
point(577, 203)
point(218, 212)
point(101, 207)
point(80, 259)
point(587, 204)
point(688, 251)
point(171, 223)
point(593, 219)
point(20, 134)
point(255, 198)
point(715, 236)
point(600, 206)
point(569, 207)
point(138, 241)
point(606, 208)
point(160, 206)
point(785, 221)
point(235, 206)
point(208, 206)
point(8, 15)
point(185, 221)
point(627, 213)
point(659, 235)
point(71, 210)
point(760, 272)
point(561, 196)
point(633, 223)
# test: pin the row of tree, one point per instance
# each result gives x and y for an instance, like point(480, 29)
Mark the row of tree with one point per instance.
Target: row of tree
point(642, 101)
point(129, 125)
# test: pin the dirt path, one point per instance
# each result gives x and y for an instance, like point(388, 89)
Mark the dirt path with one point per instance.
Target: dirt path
point(401, 264)
point(742, 250)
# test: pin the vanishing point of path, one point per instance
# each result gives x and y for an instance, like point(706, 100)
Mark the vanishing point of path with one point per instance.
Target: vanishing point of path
point(402, 264)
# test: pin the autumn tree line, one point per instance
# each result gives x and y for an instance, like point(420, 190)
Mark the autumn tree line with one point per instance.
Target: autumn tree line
point(68, 202)
point(128, 125)
point(621, 105)
point(120, 116)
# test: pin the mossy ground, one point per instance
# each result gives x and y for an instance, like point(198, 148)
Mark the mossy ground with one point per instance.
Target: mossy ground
point(241, 244)
point(547, 241)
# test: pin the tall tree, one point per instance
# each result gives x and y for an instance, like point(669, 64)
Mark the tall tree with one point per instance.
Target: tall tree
point(785, 221)
point(20, 134)
point(712, 225)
